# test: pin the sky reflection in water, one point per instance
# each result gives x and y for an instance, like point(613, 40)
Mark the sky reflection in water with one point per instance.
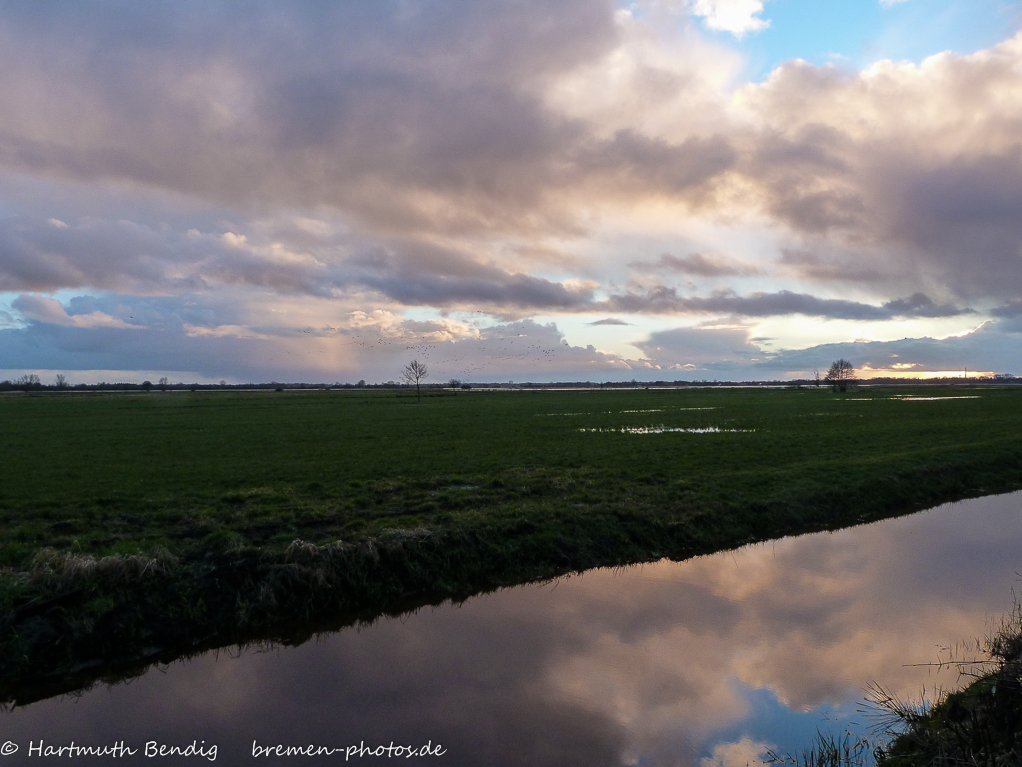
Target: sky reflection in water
point(661, 429)
point(692, 663)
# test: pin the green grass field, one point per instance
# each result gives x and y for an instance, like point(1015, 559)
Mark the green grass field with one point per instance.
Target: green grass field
point(195, 499)
point(119, 473)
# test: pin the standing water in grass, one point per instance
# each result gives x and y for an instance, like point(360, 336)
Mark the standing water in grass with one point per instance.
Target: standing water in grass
point(705, 662)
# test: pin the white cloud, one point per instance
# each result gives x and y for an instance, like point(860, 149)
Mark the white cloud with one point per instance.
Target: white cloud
point(735, 16)
point(739, 753)
point(52, 312)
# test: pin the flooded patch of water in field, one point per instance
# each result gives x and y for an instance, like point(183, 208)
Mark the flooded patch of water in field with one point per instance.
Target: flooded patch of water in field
point(616, 412)
point(932, 399)
point(697, 663)
point(665, 430)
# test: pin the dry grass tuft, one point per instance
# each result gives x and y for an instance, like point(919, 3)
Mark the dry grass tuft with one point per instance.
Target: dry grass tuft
point(64, 570)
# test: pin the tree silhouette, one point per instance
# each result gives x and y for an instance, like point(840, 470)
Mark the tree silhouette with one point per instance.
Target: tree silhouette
point(415, 373)
point(840, 373)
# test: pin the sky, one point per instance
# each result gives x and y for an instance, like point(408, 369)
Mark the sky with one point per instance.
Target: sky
point(509, 190)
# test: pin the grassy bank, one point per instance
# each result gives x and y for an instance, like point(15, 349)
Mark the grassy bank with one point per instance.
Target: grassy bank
point(139, 525)
point(979, 725)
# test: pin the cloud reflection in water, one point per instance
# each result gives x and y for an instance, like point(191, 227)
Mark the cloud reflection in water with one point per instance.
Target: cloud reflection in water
point(663, 664)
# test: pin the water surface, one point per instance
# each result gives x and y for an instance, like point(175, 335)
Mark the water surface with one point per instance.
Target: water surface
point(703, 662)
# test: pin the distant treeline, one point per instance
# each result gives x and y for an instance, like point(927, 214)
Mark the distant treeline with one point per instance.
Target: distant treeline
point(33, 383)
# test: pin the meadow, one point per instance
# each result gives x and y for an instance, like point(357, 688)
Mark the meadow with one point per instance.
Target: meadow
point(122, 473)
point(221, 513)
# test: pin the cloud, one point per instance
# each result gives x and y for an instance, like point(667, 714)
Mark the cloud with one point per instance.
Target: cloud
point(609, 321)
point(111, 254)
point(691, 348)
point(1011, 309)
point(920, 305)
point(992, 347)
point(51, 312)
point(630, 165)
point(427, 119)
point(915, 165)
point(260, 337)
point(664, 300)
point(654, 664)
point(738, 753)
point(809, 266)
point(128, 256)
point(735, 16)
point(729, 353)
point(701, 265)
point(473, 284)
point(417, 132)
point(125, 256)
point(241, 342)
point(463, 158)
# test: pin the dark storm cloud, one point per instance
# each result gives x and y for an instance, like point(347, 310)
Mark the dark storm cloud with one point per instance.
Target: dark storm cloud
point(1011, 309)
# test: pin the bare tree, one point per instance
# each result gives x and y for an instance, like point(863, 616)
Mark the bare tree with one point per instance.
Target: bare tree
point(415, 373)
point(840, 374)
point(817, 377)
point(61, 381)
